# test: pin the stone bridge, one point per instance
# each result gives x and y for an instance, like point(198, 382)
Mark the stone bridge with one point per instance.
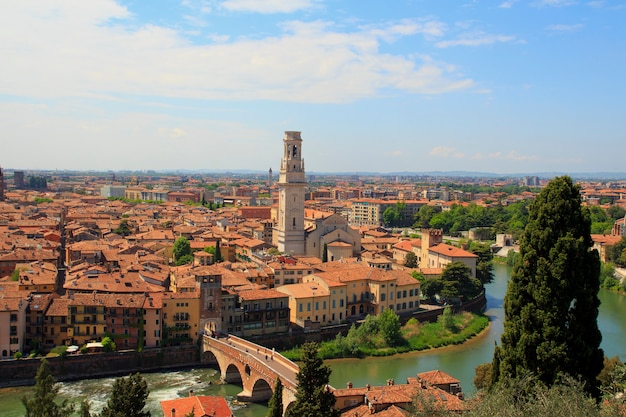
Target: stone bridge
point(252, 365)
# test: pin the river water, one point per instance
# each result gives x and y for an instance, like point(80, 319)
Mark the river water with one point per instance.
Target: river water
point(458, 361)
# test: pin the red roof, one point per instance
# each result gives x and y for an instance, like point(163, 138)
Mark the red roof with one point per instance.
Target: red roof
point(202, 405)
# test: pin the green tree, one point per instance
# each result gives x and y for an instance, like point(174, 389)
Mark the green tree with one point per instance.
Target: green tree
point(313, 397)
point(446, 319)
point(182, 247)
point(430, 287)
point(392, 216)
point(424, 215)
point(108, 344)
point(617, 252)
point(43, 403)
point(482, 375)
point(616, 212)
point(551, 304)
point(275, 405)
point(612, 378)
point(389, 325)
point(123, 229)
point(218, 252)
point(458, 282)
point(410, 260)
point(484, 263)
point(128, 398)
point(526, 396)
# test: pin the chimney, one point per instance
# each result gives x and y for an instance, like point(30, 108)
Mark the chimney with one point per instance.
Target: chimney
point(191, 393)
point(173, 412)
point(349, 384)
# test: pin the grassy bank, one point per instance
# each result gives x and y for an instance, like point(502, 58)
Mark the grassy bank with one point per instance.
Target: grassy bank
point(368, 340)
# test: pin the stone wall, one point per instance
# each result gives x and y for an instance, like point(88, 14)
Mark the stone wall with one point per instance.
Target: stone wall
point(82, 366)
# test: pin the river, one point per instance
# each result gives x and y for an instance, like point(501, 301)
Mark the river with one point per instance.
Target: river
point(458, 361)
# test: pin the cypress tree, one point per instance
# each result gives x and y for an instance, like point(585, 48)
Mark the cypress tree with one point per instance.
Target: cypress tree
point(313, 396)
point(218, 252)
point(44, 403)
point(128, 398)
point(551, 305)
point(275, 405)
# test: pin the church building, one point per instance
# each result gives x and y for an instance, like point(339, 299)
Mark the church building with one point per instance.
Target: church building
point(311, 233)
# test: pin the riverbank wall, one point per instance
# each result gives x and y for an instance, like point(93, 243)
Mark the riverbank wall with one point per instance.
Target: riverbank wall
point(72, 367)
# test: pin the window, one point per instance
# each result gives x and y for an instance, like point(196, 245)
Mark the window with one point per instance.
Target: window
point(308, 306)
point(383, 297)
point(300, 308)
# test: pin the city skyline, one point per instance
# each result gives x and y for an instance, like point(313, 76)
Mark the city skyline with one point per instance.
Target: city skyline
point(509, 87)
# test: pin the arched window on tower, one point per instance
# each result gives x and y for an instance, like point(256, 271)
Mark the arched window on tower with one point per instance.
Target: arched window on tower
point(295, 151)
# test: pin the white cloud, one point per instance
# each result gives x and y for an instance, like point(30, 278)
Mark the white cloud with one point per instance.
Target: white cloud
point(307, 62)
point(446, 152)
point(560, 28)
point(555, 3)
point(268, 6)
point(507, 4)
point(476, 39)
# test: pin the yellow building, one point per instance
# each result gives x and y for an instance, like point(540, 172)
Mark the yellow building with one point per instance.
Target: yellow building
point(181, 318)
point(56, 323)
point(86, 320)
point(309, 302)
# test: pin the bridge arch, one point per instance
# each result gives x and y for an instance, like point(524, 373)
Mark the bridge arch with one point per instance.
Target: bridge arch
point(253, 366)
point(232, 375)
point(261, 390)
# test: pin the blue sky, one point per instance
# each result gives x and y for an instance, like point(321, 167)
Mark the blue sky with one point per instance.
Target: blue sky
point(491, 86)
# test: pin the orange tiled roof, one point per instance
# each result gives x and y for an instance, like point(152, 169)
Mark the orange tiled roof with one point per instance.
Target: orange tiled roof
point(451, 251)
point(201, 405)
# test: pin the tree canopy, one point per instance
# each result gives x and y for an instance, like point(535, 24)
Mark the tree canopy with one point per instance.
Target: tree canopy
point(128, 398)
point(275, 405)
point(182, 251)
point(551, 304)
point(313, 397)
point(44, 401)
point(484, 263)
point(410, 260)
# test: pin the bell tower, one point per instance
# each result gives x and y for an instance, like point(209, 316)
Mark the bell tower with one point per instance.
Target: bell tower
point(1, 185)
point(291, 188)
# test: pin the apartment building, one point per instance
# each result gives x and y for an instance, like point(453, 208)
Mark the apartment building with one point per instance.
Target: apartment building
point(12, 326)
point(265, 311)
point(369, 211)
